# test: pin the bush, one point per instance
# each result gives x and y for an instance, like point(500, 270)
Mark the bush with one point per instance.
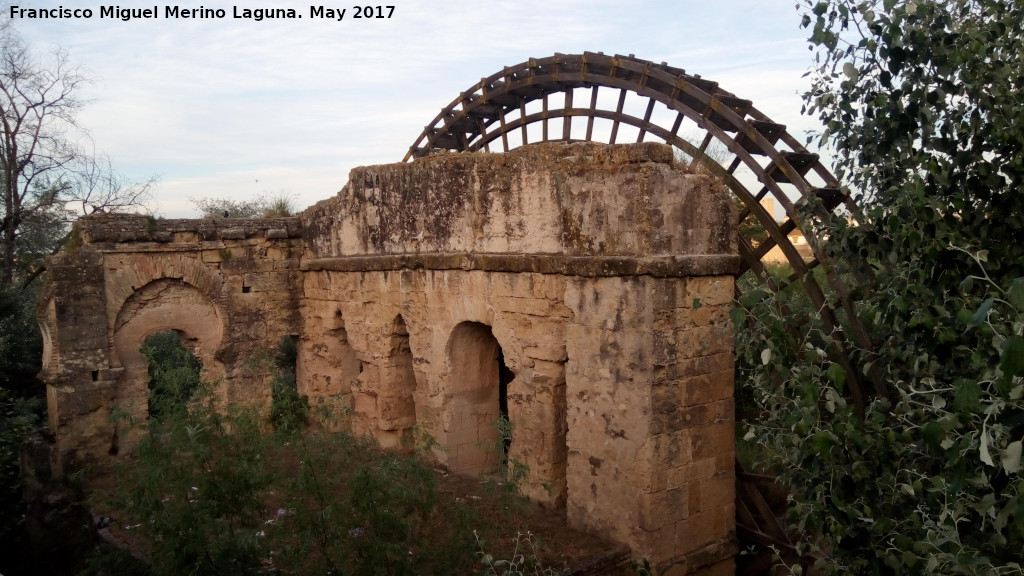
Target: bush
point(214, 494)
point(919, 102)
point(173, 372)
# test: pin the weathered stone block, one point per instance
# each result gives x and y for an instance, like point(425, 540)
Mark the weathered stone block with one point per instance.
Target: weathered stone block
point(712, 439)
point(663, 508)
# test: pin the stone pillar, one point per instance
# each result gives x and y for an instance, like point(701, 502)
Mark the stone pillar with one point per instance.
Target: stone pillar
point(650, 417)
point(80, 385)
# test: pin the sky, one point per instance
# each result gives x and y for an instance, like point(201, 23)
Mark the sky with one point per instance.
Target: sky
point(236, 108)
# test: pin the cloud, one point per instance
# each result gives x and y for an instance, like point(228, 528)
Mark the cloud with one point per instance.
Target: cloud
point(214, 105)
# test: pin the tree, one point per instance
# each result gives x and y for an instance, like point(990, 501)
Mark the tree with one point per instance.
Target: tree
point(47, 179)
point(46, 176)
point(921, 103)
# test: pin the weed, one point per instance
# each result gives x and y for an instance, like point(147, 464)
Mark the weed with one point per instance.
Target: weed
point(510, 473)
point(524, 560)
point(288, 409)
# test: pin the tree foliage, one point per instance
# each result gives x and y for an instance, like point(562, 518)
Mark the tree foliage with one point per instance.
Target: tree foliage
point(922, 105)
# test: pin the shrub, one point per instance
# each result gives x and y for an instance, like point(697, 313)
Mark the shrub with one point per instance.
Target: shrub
point(919, 102)
point(173, 372)
point(214, 494)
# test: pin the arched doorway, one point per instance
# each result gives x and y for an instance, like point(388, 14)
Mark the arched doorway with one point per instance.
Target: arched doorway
point(166, 304)
point(479, 398)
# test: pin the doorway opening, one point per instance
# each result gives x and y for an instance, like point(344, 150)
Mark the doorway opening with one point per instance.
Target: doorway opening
point(173, 372)
point(479, 432)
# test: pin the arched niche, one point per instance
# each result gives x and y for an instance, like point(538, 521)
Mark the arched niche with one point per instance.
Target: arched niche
point(166, 304)
point(474, 358)
point(328, 365)
point(396, 404)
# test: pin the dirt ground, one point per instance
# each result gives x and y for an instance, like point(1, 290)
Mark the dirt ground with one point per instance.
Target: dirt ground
point(558, 545)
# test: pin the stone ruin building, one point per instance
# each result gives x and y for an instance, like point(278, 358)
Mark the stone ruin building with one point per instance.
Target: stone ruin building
point(600, 277)
point(581, 289)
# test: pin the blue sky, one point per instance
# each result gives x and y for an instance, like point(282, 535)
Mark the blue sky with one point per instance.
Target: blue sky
point(235, 108)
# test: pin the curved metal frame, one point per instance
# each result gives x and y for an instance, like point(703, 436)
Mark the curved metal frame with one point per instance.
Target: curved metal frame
point(479, 117)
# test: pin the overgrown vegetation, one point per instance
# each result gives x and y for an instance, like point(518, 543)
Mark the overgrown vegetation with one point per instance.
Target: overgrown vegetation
point(173, 371)
point(213, 491)
point(922, 104)
point(288, 409)
point(263, 206)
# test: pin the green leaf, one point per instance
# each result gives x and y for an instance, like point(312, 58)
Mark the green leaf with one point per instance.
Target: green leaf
point(822, 443)
point(982, 313)
point(837, 374)
point(738, 316)
point(933, 435)
point(1016, 293)
point(1012, 360)
point(1011, 457)
point(901, 304)
point(966, 398)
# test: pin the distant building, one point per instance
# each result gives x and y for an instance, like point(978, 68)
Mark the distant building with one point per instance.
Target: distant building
point(796, 237)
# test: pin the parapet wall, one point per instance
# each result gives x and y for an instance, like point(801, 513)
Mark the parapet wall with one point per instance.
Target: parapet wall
point(579, 290)
point(579, 209)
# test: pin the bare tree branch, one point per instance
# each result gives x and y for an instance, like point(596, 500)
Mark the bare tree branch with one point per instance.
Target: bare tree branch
point(47, 176)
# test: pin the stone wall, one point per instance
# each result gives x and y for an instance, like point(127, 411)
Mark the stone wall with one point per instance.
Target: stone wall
point(581, 290)
point(650, 414)
point(229, 286)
